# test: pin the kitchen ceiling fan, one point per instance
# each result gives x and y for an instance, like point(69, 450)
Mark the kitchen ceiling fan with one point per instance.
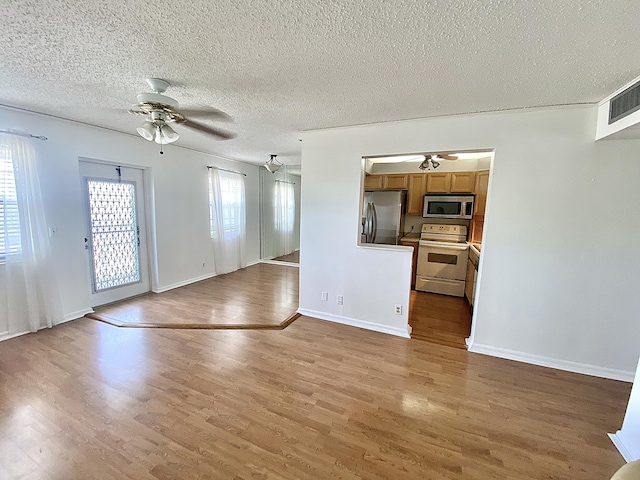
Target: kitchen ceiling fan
point(431, 161)
point(161, 110)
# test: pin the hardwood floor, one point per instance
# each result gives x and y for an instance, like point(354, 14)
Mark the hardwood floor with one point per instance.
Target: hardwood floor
point(259, 296)
point(440, 319)
point(86, 400)
point(293, 257)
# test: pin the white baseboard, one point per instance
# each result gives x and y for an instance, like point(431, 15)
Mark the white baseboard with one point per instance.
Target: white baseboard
point(273, 262)
point(13, 335)
point(194, 280)
point(575, 367)
point(354, 322)
point(625, 446)
point(74, 315)
point(183, 283)
point(67, 318)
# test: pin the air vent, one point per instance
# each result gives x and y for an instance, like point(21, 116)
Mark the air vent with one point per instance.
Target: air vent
point(625, 103)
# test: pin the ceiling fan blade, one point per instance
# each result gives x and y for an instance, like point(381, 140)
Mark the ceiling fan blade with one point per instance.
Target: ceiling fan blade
point(202, 128)
point(208, 112)
point(448, 157)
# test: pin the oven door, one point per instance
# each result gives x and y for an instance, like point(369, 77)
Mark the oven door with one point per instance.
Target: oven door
point(442, 260)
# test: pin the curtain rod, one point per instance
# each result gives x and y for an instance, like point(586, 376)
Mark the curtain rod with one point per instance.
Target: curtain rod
point(225, 170)
point(282, 181)
point(21, 134)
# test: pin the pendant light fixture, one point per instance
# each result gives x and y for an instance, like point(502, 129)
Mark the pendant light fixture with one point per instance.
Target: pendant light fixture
point(272, 164)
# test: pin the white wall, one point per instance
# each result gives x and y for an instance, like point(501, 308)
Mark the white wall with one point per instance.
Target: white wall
point(179, 200)
point(627, 439)
point(558, 277)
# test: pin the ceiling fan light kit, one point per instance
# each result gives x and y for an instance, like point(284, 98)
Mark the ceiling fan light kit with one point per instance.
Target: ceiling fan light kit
point(430, 161)
point(159, 110)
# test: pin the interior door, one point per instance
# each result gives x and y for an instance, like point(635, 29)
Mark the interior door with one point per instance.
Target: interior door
point(115, 231)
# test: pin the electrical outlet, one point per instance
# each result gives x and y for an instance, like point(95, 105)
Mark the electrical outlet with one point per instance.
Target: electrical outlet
point(325, 296)
point(340, 300)
point(398, 309)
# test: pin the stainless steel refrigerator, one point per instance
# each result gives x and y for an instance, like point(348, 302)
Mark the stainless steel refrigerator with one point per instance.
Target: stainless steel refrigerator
point(383, 217)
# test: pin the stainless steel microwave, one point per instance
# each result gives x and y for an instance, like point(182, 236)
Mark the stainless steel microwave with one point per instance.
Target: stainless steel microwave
point(438, 205)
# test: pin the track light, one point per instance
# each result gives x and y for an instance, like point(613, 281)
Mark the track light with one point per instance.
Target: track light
point(272, 164)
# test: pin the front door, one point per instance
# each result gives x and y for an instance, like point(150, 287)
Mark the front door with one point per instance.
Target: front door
point(115, 231)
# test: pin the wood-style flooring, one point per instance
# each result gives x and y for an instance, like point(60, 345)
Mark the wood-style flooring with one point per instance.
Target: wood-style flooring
point(317, 400)
point(440, 319)
point(293, 257)
point(260, 296)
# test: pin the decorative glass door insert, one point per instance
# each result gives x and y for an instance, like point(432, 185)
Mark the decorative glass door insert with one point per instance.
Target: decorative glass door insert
point(115, 234)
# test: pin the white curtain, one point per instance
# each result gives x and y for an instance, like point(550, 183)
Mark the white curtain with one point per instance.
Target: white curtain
point(284, 217)
point(227, 220)
point(29, 294)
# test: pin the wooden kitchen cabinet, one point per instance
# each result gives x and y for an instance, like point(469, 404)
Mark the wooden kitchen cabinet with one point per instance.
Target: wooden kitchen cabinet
point(481, 187)
point(414, 260)
point(373, 182)
point(462, 182)
point(415, 197)
point(451, 182)
point(395, 181)
point(438, 182)
point(468, 283)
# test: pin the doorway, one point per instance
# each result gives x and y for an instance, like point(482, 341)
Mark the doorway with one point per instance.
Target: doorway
point(115, 226)
point(280, 214)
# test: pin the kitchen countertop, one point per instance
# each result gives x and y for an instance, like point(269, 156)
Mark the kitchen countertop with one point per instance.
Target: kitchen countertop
point(476, 246)
point(411, 237)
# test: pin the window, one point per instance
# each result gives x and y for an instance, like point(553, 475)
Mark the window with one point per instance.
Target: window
point(10, 243)
point(285, 207)
point(232, 208)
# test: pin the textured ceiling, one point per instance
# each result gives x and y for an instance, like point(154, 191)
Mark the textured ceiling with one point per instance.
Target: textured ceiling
point(278, 67)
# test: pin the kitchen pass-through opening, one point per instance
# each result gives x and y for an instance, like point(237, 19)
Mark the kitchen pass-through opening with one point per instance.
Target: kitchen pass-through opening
point(435, 203)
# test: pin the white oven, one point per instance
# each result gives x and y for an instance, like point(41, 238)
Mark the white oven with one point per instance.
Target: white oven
point(442, 264)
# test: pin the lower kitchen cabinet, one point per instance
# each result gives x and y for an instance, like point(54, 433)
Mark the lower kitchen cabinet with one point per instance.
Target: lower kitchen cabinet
point(414, 260)
point(468, 282)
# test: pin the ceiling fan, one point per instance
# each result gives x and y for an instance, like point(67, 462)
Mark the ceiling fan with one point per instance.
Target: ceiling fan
point(431, 161)
point(161, 110)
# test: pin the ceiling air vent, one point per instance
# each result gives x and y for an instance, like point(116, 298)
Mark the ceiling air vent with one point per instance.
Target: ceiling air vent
point(625, 103)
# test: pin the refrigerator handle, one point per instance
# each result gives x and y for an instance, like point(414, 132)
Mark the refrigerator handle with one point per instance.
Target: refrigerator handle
point(369, 223)
point(374, 223)
point(365, 223)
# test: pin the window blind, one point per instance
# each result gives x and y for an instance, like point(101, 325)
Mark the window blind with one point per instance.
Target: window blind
point(10, 243)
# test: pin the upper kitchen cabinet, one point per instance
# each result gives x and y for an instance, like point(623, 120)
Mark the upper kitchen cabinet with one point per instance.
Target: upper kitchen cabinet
point(451, 182)
point(481, 187)
point(462, 182)
point(438, 182)
point(415, 197)
point(395, 181)
point(373, 182)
